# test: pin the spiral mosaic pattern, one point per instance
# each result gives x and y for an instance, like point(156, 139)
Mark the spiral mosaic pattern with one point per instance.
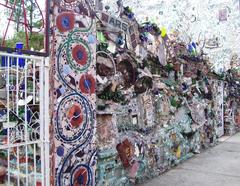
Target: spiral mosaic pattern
point(74, 115)
point(74, 84)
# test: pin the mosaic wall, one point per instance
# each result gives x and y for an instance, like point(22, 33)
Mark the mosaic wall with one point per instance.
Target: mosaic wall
point(158, 100)
point(131, 95)
point(73, 46)
point(215, 22)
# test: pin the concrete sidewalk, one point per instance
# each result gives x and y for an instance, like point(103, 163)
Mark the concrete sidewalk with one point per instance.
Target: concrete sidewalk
point(218, 166)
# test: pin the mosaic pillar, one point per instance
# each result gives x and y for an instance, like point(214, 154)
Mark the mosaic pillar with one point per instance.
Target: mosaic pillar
point(73, 50)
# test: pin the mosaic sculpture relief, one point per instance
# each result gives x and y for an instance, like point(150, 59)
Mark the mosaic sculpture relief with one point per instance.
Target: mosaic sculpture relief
point(149, 102)
point(158, 100)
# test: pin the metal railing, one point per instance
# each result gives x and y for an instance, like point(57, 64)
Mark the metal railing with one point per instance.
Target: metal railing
point(24, 120)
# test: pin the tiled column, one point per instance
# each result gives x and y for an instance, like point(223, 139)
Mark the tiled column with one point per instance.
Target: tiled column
point(73, 124)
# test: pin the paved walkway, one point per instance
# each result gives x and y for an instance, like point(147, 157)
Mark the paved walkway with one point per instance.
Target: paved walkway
point(218, 166)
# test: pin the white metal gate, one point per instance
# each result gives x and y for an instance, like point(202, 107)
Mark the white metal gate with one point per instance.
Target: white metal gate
point(24, 120)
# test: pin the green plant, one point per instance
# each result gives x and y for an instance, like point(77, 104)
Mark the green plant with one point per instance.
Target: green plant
point(36, 40)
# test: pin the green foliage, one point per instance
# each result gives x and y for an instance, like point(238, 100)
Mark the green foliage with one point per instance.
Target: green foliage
point(33, 15)
point(108, 94)
point(36, 40)
point(169, 67)
point(34, 19)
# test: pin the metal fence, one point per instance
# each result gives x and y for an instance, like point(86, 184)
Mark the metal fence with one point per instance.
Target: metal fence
point(24, 120)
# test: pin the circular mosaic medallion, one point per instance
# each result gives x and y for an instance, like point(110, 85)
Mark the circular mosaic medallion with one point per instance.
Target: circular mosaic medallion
point(73, 117)
point(81, 175)
point(87, 84)
point(78, 55)
point(65, 21)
